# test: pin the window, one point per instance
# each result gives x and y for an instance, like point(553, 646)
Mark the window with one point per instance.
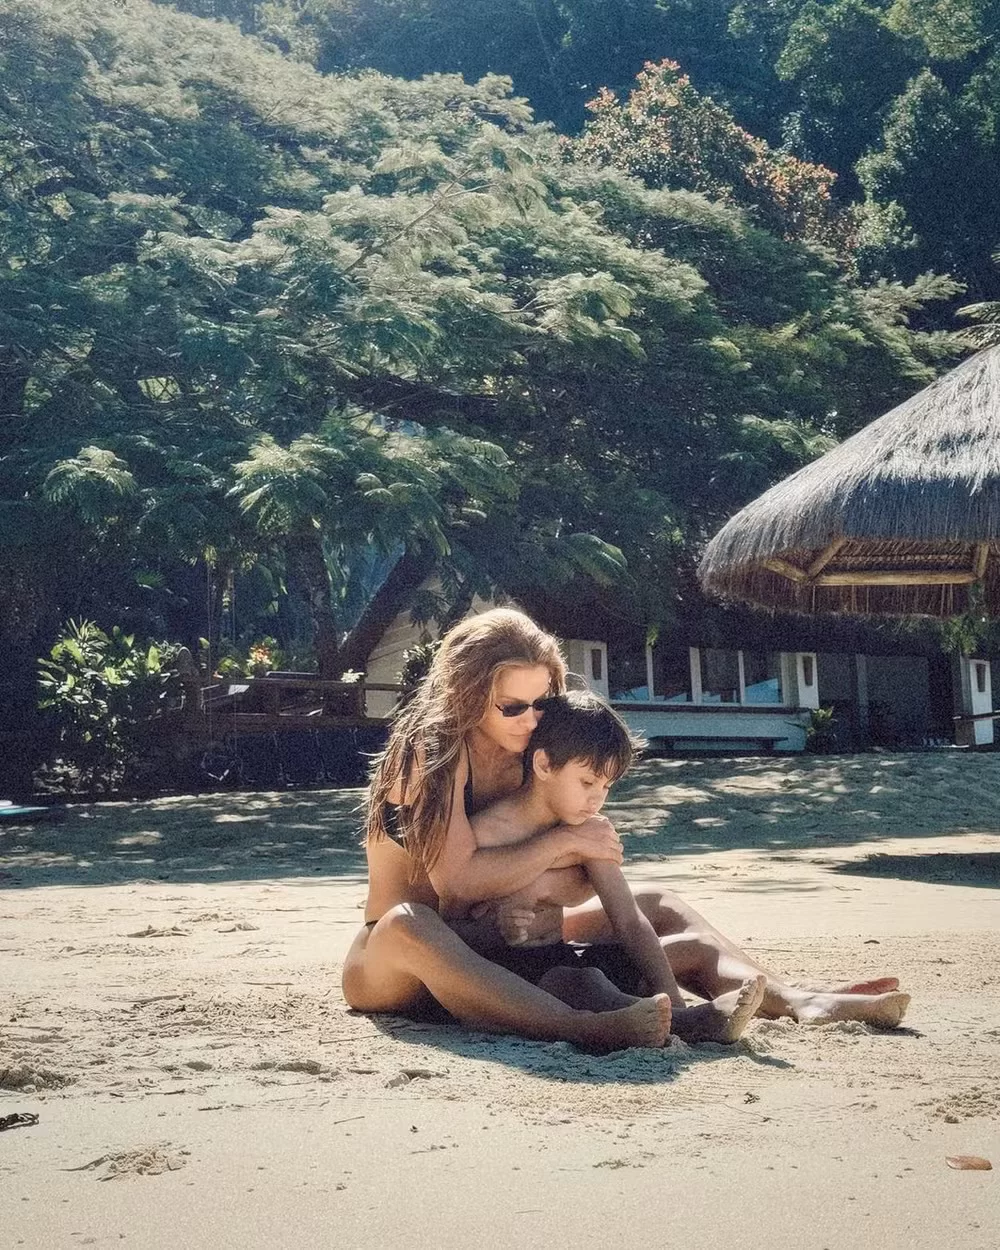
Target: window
point(761, 677)
point(720, 676)
point(596, 664)
point(980, 668)
point(627, 678)
point(697, 676)
point(808, 670)
point(672, 674)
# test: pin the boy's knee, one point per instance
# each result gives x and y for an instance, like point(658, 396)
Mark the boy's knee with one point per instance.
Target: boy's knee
point(566, 977)
point(555, 978)
point(665, 911)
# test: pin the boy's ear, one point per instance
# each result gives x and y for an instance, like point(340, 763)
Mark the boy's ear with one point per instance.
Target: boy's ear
point(541, 765)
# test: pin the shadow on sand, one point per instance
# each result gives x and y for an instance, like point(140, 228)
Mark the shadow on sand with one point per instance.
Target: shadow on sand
point(664, 808)
point(979, 868)
point(562, 1062)
point(200, 838)
point(684, 806)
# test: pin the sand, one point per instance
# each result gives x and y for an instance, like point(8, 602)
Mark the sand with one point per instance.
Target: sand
point(171, 1010)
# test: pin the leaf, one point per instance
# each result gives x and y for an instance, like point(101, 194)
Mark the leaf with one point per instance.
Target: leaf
point(969, 1163)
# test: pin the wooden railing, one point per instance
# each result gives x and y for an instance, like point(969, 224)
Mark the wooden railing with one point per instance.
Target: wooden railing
point(276, 703)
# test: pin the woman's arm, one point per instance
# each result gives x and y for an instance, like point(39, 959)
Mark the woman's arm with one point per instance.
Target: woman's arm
point(632, 928)
point(466, 873)
point(560, 887)
point(533, 916)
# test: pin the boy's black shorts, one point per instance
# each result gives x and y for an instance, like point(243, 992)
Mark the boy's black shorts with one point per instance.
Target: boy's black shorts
point(532, 962)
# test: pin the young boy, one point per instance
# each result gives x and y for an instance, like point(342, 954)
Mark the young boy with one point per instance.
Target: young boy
point(578, 750)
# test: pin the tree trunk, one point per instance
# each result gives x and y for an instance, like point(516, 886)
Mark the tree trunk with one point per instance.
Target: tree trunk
point(14, 375)
point(306, 550)
point(461, 606)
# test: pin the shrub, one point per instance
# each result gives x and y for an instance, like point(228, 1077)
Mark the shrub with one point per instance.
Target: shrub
point(416, 664)
point(821, 731)
point(104, 691)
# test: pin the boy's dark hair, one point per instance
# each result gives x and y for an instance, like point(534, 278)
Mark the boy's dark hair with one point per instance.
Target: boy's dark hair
point(579, 725)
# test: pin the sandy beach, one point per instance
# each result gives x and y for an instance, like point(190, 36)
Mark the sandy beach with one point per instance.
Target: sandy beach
point(171, 1011)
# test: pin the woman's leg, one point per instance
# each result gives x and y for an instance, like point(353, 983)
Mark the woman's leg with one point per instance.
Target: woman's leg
point(706, 962)
point(412, 951)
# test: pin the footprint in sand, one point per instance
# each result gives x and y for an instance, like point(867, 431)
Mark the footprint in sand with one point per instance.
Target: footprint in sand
point(26, 1078)
point(981, 1100)
point(310, 1067)
point(150, 931)
point(143, 1161)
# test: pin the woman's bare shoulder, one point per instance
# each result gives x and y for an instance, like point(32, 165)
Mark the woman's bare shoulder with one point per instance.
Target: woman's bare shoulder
point(404, 789)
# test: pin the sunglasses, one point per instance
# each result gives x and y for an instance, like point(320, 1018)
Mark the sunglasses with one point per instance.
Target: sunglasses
point(512, 710)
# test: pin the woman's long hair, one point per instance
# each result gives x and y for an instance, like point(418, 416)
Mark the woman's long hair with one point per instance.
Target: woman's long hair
point(425, 743)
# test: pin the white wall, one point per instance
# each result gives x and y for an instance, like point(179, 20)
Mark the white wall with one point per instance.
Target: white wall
point(975, 691)
point(590, 660)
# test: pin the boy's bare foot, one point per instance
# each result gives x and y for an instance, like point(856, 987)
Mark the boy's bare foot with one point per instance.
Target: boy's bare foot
point(878, 985)
point(884, 1011)
point(644, 1023)
point(724, 1018)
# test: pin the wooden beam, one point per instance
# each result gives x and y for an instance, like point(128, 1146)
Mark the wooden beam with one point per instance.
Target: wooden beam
point(979, 563)
point(899, 577)
point(785, 568)
point(824, 557)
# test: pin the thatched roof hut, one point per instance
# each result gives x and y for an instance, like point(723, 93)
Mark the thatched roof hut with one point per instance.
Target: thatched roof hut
point(902, 518)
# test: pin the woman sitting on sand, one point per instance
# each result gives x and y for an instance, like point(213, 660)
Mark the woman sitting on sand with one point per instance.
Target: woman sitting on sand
point(455, 749)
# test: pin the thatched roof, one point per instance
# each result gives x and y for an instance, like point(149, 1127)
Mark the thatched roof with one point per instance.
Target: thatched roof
point(901, 518)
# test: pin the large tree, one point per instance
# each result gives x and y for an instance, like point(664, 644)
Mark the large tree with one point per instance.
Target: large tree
point(256, 316)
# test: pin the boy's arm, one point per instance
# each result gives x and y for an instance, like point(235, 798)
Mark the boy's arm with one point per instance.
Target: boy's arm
point(632, 928)
point(466, 873)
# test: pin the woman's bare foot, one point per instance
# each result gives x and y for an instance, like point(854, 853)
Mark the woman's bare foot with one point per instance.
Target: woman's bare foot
point(884, 1011)
point(724, 1018)
point(644, 1023)
point(878, 985)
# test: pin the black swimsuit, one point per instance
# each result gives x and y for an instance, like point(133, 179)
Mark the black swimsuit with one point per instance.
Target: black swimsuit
point(532, 962)
point(393, 831)
point(391, 810)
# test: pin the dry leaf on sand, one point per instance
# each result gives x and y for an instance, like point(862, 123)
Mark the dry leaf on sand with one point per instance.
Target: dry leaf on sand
point(969, 1163)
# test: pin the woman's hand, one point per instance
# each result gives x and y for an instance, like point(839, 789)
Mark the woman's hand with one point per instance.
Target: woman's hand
point(521, 920)
point(515, 919)
point(596, 838)
point(525, 923)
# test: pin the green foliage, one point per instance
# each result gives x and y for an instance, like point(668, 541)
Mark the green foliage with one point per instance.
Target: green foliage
point(103, 691)
point(670, 135)
point(821, 731)
point(985, 332)
point(950, 30)
point(971, 632)
point(848, 66)
point(260, 656)
point(819, 80)
point(946, 208)
point(272, 329)
point(416, 665)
